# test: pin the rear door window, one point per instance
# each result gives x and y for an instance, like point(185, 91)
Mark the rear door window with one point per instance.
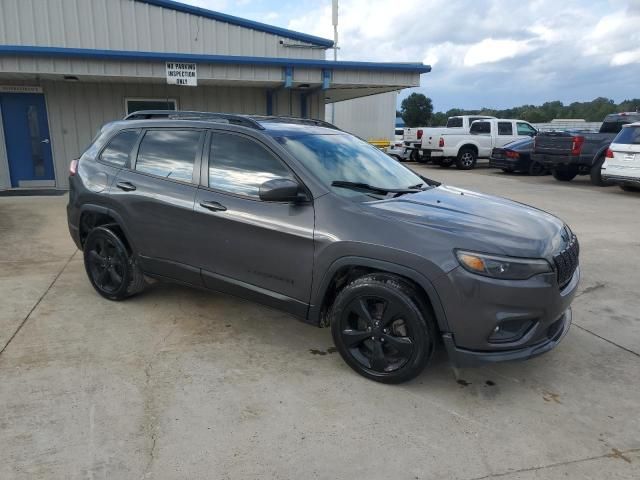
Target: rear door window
point(628, 136)
point(119, 148)
point(169, 153)
point(505, 128)
point(480, 128)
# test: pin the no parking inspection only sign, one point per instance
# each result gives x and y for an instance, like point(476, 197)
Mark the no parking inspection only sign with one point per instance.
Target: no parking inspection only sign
point(185, 74)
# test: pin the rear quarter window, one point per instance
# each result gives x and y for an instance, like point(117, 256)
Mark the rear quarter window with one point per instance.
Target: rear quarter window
point(613, 125)
point(119, 148)
point(628, 136)
point(455, 122)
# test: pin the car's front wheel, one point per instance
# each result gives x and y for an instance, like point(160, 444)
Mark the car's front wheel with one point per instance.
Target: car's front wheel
point(110, 268)
point(382, 328)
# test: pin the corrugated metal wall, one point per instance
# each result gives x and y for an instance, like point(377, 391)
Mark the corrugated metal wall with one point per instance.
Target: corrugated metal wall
point(131, 25)
point(77, 110)
point(371, 118)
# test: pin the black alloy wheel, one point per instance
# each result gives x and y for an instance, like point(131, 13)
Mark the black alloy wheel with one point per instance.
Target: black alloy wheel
point(109, 267)
point(381, 330)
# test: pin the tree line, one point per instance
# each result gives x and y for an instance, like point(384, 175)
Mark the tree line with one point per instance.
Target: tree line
point(417, 110)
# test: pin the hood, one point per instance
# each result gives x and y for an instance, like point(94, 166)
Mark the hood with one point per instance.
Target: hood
point(478, 222)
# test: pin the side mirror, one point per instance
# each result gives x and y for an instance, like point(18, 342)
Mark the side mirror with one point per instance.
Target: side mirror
point(281, 190)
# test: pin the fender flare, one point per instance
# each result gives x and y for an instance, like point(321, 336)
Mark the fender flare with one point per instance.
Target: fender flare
point(89, 207)
point(401, 270)
point(599, 153)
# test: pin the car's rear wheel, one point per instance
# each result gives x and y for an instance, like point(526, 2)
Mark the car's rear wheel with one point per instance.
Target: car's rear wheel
point(596, 174)
point(565, 174)
point(110, 268)
point(382, 329)
point(536, 169)
point(630, 188)
point(466, 159)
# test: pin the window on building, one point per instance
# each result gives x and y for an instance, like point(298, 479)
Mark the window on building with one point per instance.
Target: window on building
point(480, 128)
point(169, 153)
point(526, 129)
point(136, 104)
point(240, 165)
point(119, 148)
point(505, 128)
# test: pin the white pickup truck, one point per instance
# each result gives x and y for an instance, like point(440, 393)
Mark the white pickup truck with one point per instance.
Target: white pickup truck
point(418, 138)
point(483, 136)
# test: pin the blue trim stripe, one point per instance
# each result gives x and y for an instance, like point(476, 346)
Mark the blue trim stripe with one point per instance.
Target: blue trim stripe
point(118, 55)
point(241, 22)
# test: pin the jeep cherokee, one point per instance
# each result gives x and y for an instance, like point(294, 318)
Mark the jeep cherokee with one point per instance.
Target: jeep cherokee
point(301, 216)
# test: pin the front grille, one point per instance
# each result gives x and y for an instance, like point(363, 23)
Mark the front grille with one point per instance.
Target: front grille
point(567, 261)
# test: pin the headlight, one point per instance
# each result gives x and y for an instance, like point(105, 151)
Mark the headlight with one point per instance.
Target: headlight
point(503, 268)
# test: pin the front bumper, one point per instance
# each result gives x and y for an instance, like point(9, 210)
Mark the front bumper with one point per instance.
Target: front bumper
point(493, 320)
point(461, 357)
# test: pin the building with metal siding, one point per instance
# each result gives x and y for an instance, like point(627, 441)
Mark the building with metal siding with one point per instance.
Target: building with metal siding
point(69, 66)
point(371, 118)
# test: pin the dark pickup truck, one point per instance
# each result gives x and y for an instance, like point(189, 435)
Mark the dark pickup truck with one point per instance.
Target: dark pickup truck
point(568, 154)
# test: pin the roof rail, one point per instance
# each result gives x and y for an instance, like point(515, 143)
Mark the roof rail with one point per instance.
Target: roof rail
point(189, 115)
point(298, 120)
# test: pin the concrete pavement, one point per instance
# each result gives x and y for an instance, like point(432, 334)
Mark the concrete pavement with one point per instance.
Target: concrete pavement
point(179, 383)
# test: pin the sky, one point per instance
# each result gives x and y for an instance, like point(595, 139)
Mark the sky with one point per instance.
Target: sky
point(483, 53)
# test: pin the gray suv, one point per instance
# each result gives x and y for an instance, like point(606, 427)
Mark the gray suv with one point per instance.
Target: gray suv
point(303, 217)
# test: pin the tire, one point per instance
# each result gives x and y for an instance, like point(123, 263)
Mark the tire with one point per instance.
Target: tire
point(630, 188)
point(423, 159)
point(596, 174)
point(112, 271)
point(466, 159)
point(507, 170)
point(414, 156)
point(446, 163)
point(370, 316)
point(564, 174)
point(536, 169)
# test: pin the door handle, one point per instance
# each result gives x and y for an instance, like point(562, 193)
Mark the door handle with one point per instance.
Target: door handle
point(213, 206)
point(126, 186)
point(46, 140)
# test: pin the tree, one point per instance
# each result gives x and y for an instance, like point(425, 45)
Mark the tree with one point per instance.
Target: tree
point(416, 110)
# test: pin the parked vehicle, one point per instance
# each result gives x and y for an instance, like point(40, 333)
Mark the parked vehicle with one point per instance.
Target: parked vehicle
point(484, 135)
point(396, 148)
point(431, 136)
point(568, 154)
point(311, 220)
point(622, 160)
point(516, 157)
point(412, 138)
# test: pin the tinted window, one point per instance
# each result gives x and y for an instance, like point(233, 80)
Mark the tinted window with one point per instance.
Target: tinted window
point(454, 122)
point(505, 128)
point(169, 153)
point(400, 131)
point(240, 165)
point(161, 104)
point(119, 148)
point(525, 129)
point(480, 128)
point(613, 126)
point(628, 135)
point(344, 157)
point(473, 119)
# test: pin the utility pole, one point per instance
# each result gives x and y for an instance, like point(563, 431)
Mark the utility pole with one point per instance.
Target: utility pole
point(334, 20)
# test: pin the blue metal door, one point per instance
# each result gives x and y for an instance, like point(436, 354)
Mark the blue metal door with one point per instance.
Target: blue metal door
point(26, 134)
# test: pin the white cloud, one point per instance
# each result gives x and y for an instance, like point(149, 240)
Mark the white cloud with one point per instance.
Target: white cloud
point(490, 50)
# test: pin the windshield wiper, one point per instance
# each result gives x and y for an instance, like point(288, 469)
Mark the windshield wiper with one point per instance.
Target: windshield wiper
point(370, 188)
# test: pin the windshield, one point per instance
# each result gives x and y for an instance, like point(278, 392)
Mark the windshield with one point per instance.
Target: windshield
point(345, 158)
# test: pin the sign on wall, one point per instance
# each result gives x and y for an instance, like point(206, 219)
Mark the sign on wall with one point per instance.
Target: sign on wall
point(185, 74)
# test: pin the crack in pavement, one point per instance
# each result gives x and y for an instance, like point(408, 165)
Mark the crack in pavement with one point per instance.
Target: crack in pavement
point(607, 340)
point(615, 454)
point(590, 289)
point(24, 320)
